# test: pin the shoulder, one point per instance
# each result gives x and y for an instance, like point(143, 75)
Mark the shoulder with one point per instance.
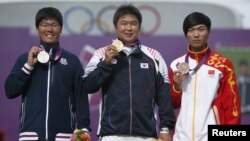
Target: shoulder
point(68, 54)
point(219, 59)
point(100, 52)
point(151, 52)
point(178, 60)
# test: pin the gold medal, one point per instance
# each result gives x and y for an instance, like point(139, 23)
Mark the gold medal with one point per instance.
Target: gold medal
point(183, 68)
point(118, 44)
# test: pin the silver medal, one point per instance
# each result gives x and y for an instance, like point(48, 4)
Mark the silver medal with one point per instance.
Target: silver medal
point(43, 57)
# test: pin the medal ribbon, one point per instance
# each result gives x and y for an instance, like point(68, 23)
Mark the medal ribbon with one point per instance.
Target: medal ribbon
point(200, 63)
point(57, 53)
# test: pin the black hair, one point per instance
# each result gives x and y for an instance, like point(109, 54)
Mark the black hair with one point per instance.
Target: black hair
point(127, 9)
point(49, 12)
point(243, 62)
point(194, 19)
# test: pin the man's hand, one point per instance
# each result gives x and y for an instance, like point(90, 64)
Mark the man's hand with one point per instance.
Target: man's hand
point(178, 78)
point(165, 136)
point(110, 54)
point(32, 55)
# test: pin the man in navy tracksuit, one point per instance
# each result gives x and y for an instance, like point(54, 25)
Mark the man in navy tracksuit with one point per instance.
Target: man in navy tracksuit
point(54, 103)
point(132, 81)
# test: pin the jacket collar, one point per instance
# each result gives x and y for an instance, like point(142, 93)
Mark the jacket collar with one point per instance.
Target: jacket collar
point(198, 55)
point(56, 50)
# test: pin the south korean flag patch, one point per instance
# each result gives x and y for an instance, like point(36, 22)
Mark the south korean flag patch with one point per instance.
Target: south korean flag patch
point(144, 65)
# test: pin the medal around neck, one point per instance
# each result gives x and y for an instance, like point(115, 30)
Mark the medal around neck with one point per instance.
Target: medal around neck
point(118, 44)
point(183, 68)
point(43, 57)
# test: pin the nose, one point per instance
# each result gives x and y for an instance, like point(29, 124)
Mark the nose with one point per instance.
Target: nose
point(128, 27)
point(196, 33)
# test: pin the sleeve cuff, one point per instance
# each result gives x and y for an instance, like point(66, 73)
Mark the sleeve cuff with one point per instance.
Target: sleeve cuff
point(176, 90)
point(85, 130)
point(164, 130)
point(27, 68)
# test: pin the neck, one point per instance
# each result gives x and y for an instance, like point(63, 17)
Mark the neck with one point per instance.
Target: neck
point(130, 44)
point(49, 45)
point(200, 49)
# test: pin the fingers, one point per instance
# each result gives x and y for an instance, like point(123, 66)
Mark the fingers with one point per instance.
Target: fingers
point(110, 54)
point(178, 77)
point(112, 49)
point(33, 52)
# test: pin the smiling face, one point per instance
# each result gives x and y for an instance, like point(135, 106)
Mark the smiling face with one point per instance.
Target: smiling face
point(128, 28)
point(197, 37)
point(49, 31)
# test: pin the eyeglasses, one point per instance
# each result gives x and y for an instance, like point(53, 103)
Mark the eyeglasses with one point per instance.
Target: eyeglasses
point(47, 25)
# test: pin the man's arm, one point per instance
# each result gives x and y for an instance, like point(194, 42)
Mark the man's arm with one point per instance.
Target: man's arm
point(19, 78)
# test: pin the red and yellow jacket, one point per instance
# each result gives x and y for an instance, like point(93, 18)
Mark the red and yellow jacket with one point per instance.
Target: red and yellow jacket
point(208, 96)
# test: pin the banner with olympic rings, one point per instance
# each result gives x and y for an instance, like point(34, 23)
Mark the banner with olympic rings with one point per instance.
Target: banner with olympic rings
point(103, 20)
point(95, 18)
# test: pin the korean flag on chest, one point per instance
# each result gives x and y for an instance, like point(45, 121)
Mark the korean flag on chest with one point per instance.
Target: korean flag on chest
point(144, 65)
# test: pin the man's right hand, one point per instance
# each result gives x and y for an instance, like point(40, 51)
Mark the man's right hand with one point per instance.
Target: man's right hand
point(178, 78)
point(32, 55)
point(110, 54)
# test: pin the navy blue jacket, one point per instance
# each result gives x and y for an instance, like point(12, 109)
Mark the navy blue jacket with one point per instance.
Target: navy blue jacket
point(53, 100)
point(131, 88)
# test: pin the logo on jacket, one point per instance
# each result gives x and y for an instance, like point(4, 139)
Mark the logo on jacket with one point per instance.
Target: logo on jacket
point(64, 61)
point(144, 65)
point(211, 73)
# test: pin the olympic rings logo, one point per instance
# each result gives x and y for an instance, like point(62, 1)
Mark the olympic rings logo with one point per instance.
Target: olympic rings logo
point(104, 20)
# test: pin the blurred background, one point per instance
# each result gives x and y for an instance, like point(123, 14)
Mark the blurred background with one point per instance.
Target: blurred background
point(88, 26)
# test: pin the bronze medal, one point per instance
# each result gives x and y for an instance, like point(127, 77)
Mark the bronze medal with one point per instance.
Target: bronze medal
point(183, 68)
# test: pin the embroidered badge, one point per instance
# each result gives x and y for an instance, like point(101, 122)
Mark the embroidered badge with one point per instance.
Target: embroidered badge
point(144, 65)
point(64, 61)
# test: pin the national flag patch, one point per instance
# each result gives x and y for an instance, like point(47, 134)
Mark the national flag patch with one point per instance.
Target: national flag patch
point(211, 72)
point(144, 65)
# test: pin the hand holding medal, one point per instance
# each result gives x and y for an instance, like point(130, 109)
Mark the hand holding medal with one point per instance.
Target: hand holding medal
point(183, 68)
point(118, 44)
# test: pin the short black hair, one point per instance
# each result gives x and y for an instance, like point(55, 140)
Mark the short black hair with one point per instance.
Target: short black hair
point(243, 62)
point(49, 12)
point(127, 9)
point(194, 19)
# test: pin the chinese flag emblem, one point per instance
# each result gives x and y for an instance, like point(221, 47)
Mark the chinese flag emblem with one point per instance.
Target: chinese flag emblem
point(211, 72)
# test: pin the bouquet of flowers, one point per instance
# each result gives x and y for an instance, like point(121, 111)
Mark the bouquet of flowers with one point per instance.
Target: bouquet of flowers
point(80, 135)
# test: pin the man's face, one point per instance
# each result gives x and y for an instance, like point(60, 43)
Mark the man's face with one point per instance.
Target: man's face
point(243, 69)
point(197, 37)
point(49, 31)
point(127, 28)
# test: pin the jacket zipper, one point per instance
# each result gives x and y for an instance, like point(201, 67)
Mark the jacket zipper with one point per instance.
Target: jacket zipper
point(130, 92)
point(47, 100)
point(195, 86)
point(23, 113)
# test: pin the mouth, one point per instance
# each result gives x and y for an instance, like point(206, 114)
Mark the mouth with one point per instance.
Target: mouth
point(49, 35)
point(196, 41)
point(128, 34)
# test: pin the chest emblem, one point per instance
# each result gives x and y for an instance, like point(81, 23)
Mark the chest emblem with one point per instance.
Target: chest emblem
point(64, 61)
point(211, 73)
point(144, 65)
